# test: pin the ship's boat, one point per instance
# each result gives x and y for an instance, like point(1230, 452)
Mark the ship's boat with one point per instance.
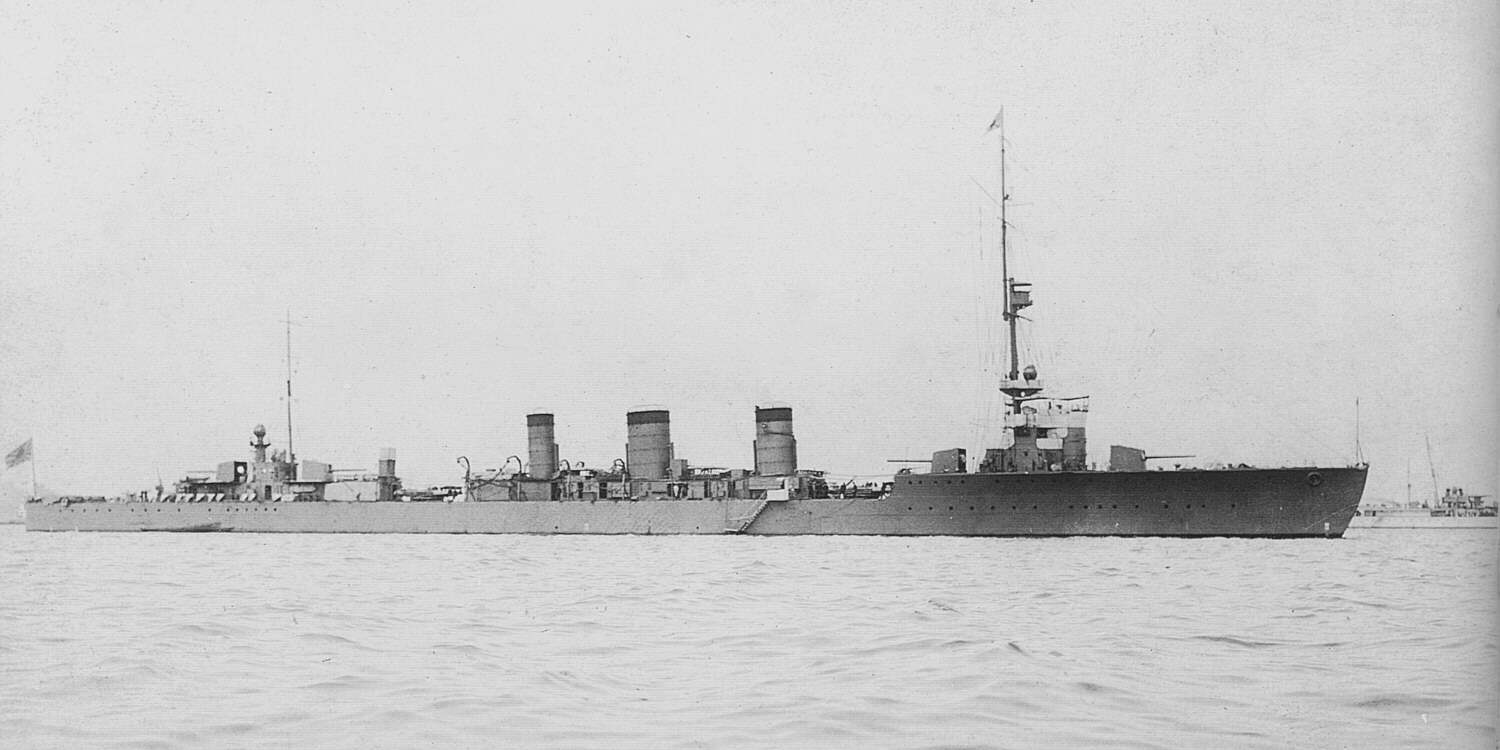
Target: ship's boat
point(1038, 482)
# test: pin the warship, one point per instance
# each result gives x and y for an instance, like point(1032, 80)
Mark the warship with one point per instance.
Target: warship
point(1037, 482)
point(1454, 510)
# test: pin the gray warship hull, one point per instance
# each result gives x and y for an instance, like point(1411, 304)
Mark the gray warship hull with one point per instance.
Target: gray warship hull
point(1296, 502)
point(1421, 520)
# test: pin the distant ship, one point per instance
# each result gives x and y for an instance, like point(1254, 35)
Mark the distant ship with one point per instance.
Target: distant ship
point(1454, 510)
point(1037, 483)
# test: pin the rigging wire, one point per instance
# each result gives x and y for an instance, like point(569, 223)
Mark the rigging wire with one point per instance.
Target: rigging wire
point(989, 331)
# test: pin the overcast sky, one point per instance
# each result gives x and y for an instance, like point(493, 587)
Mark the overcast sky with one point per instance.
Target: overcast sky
point(1238, 218)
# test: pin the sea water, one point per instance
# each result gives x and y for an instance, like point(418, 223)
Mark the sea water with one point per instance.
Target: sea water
point(1383, 639)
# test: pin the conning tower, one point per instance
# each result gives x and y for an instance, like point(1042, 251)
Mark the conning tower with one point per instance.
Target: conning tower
point(541, 446)
point(775, 445)
point(648, 446)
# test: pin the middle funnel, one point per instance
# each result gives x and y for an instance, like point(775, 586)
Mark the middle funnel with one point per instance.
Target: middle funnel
point(648, 442)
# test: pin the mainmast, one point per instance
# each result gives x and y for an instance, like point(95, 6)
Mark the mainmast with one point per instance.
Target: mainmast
point(290, 454)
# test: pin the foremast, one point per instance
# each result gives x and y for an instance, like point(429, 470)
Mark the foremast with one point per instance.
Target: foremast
point(1017, 386)
point(1045, 434)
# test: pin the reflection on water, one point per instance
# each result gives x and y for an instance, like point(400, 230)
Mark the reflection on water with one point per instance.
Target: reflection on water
point(181, 641)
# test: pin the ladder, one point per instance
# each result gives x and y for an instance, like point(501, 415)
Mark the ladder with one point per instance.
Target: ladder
point(738, 525)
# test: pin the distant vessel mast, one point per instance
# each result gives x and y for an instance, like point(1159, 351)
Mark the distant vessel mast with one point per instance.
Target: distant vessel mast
point(1431, 469)
point(1408, 481)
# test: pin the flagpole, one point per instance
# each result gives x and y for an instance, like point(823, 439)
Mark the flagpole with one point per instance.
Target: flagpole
point(33, 472)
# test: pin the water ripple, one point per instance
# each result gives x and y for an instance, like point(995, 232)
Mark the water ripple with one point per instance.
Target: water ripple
point(352, 641)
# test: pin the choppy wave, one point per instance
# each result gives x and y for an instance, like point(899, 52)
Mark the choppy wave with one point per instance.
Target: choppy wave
point(185, 641)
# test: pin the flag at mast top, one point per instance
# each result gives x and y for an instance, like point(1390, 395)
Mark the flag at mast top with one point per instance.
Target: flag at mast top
point(21, 454)
point(998, 122)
